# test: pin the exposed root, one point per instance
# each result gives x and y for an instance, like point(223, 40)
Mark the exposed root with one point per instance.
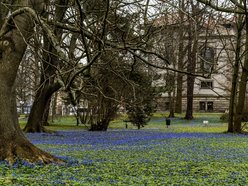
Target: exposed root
point(27, 152)
point(39, 130)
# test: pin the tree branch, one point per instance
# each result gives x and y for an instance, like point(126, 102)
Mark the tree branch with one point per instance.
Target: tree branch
point(164, 67)
point(120, 46)
point(222, 9)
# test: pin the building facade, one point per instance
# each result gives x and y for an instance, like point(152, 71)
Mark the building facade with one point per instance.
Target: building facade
point(215, 42)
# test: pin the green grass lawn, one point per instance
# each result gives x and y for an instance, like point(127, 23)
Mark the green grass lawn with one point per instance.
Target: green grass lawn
point(178, 124)
point(186, 153)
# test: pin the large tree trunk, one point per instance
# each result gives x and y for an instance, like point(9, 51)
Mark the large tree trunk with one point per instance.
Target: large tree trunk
point(235, 75)
point(34, 123)
point(37, 116)
point(54, 106)
point(190, 90)
point(179, 93)
point(192, 48)
point(13, 144)
point(45, 117)
point(180, 66)
point(104, 114)
point(192, 53)
point(171, 104)
point(242, 89)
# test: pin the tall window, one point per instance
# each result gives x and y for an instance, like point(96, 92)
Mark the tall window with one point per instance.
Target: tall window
point(202, 106)
point(207, 59)
point(210, 106)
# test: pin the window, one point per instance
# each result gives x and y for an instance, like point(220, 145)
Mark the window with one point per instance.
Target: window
point(210, 106)
point(207, 84)
point(207, 59)
point(206, 106)
point(227, 25)
point(202, 106)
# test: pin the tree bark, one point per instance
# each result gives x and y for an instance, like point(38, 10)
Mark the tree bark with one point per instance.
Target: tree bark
point(192, 53)
point(235, 75)
point(242, 88)
point(171, 104)
point(104, 114)
point(38, 115)
point(179, 93)
point(54, 106)
point(192, 49)
point(13, 143)
point(45, 117)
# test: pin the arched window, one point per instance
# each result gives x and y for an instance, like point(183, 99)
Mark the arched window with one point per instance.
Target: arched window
point(207, 59)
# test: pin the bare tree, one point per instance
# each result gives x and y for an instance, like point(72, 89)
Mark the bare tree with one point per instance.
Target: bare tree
point(235, 76)
point(239, 7)
point(48, 85)
point(18, 21)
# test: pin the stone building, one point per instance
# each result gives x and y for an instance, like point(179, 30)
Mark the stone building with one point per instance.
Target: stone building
point(214, 59)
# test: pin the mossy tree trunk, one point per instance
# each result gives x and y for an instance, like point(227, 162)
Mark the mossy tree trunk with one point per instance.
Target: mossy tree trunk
point(13, 143)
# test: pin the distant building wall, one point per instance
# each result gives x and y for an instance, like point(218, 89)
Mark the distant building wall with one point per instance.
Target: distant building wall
point(201, 103)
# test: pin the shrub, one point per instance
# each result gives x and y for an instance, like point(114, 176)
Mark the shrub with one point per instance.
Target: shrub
point(225, 117)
